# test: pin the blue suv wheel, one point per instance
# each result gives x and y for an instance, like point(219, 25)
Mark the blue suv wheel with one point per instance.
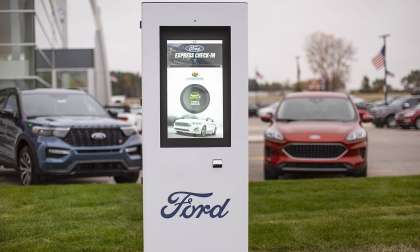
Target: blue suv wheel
point(28, 170)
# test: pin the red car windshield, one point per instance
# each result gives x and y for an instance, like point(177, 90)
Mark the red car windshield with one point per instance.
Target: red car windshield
point(316, 109)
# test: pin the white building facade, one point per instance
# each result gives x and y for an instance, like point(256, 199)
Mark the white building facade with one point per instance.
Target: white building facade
point(34, 31)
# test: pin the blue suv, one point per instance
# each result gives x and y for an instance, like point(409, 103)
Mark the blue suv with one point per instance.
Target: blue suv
point(59, 132)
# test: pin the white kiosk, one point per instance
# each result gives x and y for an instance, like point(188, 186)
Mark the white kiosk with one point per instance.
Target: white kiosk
point(195, 129)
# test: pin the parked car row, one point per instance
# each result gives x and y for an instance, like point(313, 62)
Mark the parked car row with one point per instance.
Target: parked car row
point(389, 114)
point(130, 114)
point(409, 118)
point(59, 132)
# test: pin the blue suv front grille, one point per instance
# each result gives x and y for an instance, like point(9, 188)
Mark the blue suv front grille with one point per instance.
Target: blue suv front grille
point(98, 167)
point(83, 137)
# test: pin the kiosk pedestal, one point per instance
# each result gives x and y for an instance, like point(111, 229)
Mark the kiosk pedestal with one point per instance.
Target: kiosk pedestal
point(195, 126)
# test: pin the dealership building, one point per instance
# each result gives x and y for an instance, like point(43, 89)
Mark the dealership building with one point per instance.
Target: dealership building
point(34, 49)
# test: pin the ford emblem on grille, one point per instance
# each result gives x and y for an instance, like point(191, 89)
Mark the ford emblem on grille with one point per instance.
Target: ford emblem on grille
point(314, 137)
point(98, 136)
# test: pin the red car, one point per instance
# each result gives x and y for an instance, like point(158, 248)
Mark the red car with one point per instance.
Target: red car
point(409, 118)
point(315, 132)
point(363, 112)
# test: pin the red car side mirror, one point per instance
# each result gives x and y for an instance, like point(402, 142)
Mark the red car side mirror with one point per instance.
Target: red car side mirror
point(366, 117)
point(268, 118)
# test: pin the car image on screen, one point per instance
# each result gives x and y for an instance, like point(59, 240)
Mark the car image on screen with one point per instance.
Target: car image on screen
point(191, 125)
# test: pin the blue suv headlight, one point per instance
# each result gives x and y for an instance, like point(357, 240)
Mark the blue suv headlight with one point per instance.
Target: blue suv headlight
point(129, 130)
point(49, 131)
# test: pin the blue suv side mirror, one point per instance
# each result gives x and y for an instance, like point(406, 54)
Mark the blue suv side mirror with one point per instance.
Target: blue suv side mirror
point(113, 114)
point(8, 113)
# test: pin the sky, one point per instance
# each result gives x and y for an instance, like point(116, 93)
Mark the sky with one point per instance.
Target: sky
point(278, 30)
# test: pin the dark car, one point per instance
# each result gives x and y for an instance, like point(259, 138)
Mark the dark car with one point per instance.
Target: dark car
point(385, 115)
point(378, 103)
point(409, 118)
point(315, 132)
point(363, 109)
point(252, 110)
point(58, 132)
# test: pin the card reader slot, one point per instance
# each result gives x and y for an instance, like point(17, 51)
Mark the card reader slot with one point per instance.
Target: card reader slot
point(217, 163)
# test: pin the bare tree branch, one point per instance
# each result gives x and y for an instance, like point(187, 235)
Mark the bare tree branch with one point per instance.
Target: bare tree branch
point(329, 58)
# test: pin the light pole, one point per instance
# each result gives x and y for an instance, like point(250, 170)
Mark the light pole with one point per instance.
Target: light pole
point(384, 37)
point(297, 70)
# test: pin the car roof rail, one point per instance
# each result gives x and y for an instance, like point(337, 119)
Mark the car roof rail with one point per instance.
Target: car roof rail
point(10, 88)
point(76, 88)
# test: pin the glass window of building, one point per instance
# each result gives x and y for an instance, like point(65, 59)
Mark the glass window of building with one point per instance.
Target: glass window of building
point(46, 75)
point(16, 4)
point(72, 79)
point(17, 39)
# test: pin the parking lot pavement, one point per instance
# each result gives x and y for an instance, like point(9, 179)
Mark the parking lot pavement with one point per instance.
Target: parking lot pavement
point(392, 152)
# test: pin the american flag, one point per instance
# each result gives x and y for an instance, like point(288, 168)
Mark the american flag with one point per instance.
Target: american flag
point(379, 60)
point(114, 78)
point(258, 75)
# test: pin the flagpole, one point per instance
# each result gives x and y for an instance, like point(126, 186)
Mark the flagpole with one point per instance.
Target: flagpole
point(297, 70)
point(384, 37)
point(257, 88)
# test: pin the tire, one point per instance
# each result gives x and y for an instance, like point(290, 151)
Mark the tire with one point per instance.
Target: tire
point(127, 178)
point(405, 127)
point(269, 173)
point(377, 125)
point(360, 172)
point(29, 173)
point(390, 122)
point(214, 132)
point(204, 131)
point(417, 123)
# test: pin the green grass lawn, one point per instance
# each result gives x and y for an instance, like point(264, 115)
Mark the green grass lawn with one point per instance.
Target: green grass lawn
point(374, 214)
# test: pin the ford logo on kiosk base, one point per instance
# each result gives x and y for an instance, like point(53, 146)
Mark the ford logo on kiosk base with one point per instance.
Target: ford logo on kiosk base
point(181, 204)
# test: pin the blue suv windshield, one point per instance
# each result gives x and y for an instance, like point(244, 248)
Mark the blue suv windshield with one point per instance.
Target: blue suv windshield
point(37, 105)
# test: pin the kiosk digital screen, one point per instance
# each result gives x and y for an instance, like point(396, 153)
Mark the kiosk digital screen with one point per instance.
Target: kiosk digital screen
point(195, 86)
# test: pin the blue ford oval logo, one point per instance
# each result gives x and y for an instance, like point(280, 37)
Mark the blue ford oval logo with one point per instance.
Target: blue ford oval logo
point(194, 48)
point(98, 136)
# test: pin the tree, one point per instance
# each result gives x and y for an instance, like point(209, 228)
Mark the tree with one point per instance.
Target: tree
point(411, 81)
point(329, 58)
point(365, 85)
point(252, 85)
point(378, 86)
point(297, 87)
point(128, 84)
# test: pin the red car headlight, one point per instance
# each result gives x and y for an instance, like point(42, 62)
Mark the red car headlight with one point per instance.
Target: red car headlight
point(357, 134)
point(273, 135)
point(409, 114)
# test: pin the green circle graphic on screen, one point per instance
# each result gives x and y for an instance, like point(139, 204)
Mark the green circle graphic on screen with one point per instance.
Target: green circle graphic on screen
point(195, 98)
